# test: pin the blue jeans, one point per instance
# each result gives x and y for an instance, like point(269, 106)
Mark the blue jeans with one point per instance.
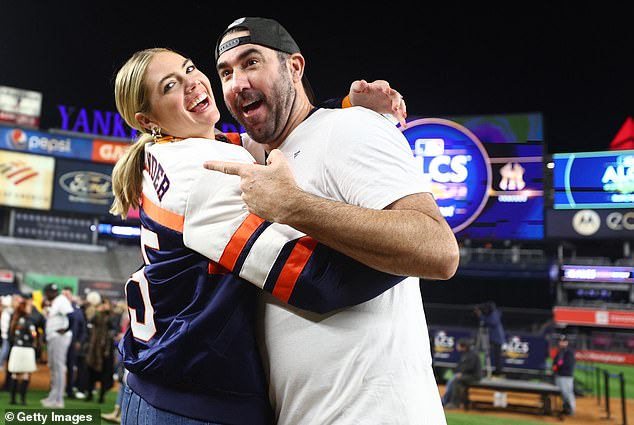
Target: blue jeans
point(136, 411)
point(446, 398)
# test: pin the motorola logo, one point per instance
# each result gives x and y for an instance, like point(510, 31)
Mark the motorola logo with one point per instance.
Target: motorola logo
point(586, 222)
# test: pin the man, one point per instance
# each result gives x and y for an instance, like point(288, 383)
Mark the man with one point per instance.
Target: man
point(362, 194)
point(491, 320)
point(468, 370)
point(564, 368)
point(79, 330)
point(58, 338)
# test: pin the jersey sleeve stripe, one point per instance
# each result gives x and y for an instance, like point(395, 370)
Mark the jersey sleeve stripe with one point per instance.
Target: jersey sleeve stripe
point(293, 268)
point(162, 216)
point(234, 138)
point(239, 240)
point(215, 268)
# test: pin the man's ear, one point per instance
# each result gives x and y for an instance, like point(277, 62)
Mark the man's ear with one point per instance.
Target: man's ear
point(144, 120)
point(297, 63)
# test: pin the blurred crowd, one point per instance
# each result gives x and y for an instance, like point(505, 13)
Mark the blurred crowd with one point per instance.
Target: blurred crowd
point(93, 327)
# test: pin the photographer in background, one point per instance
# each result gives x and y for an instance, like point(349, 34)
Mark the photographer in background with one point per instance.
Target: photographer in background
point(491, 320)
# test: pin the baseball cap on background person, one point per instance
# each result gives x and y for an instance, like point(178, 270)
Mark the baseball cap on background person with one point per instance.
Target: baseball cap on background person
point(51, 287)
point(264, 32)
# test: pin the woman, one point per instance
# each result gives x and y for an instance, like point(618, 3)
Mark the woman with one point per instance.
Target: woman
point(23, 335)
point(190, 350)
point(100, 350)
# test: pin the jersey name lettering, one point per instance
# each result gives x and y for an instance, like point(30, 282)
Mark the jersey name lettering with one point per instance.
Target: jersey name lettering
point(159, 179)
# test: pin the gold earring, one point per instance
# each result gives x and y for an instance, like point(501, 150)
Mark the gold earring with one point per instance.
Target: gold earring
point(156, 133)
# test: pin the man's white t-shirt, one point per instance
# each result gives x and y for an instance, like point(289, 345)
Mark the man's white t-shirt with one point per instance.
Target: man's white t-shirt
point(371, 363)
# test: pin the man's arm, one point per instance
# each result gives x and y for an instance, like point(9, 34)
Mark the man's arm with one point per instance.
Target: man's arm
point(408, 237)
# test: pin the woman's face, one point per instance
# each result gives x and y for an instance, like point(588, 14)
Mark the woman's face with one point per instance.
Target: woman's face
point(181, 101)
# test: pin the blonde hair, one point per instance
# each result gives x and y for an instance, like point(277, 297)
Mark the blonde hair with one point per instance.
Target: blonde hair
point(131, 96)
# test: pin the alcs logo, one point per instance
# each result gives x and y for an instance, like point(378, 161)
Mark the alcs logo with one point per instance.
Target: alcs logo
point(443, 343)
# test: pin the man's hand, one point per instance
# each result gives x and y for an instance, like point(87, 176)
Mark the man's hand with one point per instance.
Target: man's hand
point(269, 191)
point(380, 97)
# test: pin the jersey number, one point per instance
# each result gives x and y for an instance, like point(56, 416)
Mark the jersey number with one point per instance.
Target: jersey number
point(142, 328)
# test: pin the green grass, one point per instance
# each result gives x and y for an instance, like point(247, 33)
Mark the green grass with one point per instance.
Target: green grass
point(588, 378)
point(33, 398)
point(475, 419)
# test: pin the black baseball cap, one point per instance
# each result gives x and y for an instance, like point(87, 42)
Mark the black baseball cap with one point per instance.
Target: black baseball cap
point(264, 32)
point(51, 287)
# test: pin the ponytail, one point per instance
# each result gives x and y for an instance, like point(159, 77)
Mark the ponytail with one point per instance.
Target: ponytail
point(127, 177)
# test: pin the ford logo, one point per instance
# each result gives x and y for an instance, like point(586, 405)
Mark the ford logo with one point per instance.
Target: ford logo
point(88, 184)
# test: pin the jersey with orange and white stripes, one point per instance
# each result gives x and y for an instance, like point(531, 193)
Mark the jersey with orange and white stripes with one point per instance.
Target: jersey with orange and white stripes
point(207, 208)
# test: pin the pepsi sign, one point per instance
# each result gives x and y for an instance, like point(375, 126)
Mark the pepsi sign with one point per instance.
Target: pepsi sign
point(19, 139)
point(457, 166)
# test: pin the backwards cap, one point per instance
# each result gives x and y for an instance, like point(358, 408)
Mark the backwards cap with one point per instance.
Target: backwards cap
point(264, 32)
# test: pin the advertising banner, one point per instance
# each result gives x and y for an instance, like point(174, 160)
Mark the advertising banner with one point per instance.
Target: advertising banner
point(590, 224)
point(484, 191)
point(594, 317)
point(37, 281)
point(521, 351)
point(444, 342)
point(83, 187)
point(108, 152)
point(593, 180)
point(6, 276)
point(26, 181)
point(20, 107)
point(42, 143)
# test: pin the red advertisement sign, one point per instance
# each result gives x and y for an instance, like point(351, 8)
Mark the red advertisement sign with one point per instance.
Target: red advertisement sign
point(108, 152)
point(594, 356)
point(6, 276)
point(594, 317)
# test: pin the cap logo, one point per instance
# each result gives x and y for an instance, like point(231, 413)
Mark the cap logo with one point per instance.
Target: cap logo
point(236, 22)
point(235, 42)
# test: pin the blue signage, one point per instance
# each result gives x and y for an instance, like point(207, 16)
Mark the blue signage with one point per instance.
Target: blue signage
point(593, 180)
point(83, 187)
point(525, 352)
point(445, 342)
point(23, 140)
point(456, 165)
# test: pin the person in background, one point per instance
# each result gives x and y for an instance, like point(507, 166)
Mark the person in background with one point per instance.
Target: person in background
point(100, 350)
point(78, 327)
point(8, 306)
point(89, 307)
point(564, 368)
point(22, 363)
point(58, 337)
point(491, 319)
point(469, 369)
point(39, 320)
point(115, 415)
